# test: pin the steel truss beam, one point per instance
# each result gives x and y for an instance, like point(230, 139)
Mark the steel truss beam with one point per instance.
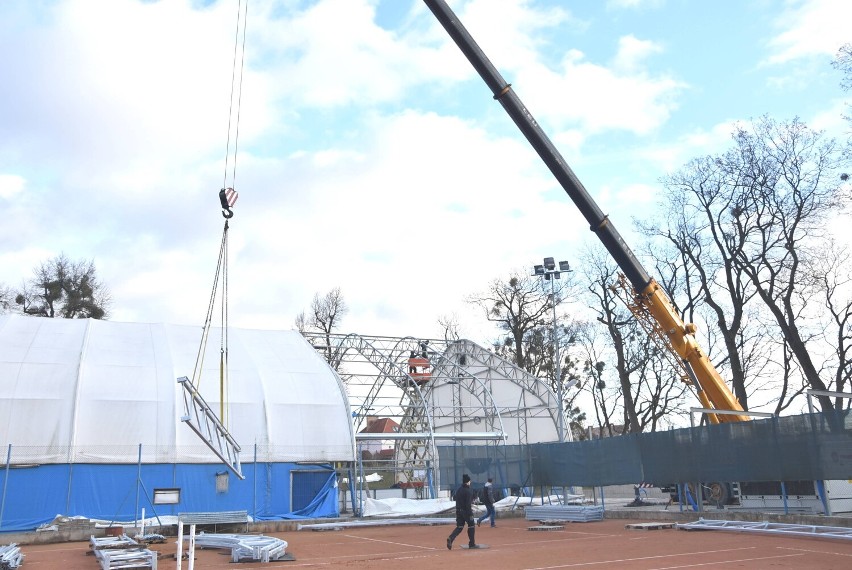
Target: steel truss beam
point(770, 528)
point(205, 423)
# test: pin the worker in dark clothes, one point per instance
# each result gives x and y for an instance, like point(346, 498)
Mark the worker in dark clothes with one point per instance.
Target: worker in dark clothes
point(488, 500)
point(464, 514)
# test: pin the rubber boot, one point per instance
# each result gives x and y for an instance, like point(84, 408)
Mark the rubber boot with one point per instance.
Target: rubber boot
point(471, 532)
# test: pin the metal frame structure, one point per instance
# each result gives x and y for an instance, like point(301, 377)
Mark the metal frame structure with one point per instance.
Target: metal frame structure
point(462, 398)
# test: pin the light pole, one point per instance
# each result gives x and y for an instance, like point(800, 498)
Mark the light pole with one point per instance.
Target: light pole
point(549, 272)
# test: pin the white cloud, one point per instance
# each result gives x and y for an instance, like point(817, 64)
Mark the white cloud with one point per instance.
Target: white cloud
point(633, 4)
point(633, 102)
point(10, 185)
point(348, 176)
point(670, 156)
point(632, 51)
point(810, 27)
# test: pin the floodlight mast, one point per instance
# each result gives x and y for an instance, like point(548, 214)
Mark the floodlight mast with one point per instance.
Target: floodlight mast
point(710, 387)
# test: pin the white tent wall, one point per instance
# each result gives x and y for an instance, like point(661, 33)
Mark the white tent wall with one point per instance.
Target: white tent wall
point(526, 405)
point(88, 391)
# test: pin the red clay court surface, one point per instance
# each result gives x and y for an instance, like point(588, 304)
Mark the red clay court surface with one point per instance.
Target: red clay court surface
point(594, 545)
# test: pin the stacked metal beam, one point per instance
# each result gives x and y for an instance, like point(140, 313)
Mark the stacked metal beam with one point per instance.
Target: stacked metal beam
point(246, 547)
point(563, 513)
point(112, 542)
point(122, 552)
point(10, 557)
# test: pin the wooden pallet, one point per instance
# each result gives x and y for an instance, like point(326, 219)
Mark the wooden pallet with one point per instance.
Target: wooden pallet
point(547, 527)
point(649, 525)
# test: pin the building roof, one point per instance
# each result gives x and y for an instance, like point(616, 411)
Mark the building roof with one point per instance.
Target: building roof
point(101, 388)
point(381, 425)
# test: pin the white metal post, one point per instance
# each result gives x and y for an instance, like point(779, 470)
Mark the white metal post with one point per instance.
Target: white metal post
point(190, 551)
point(179, 552)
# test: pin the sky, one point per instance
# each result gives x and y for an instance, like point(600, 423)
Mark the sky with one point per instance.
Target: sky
point(369, 155)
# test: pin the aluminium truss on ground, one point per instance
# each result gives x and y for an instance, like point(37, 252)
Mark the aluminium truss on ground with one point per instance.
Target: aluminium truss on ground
point(465, 393)
point(765, 527)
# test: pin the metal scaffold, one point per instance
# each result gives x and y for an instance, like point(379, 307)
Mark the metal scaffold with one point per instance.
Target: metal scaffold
point(439, 393)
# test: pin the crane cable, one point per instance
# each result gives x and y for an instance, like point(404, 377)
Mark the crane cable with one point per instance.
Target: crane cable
point(227, 198)
point(242, 15)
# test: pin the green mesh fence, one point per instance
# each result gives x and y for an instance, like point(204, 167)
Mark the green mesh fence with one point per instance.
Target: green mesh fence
point(803, 447)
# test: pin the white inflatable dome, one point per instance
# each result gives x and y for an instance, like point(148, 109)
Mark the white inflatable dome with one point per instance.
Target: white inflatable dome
point(90, 391)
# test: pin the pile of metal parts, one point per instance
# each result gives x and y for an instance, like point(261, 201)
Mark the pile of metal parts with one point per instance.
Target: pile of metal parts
point(563, 513)
point(122, 552)
point(246, 547)
point(770, 528)
point(10, 557)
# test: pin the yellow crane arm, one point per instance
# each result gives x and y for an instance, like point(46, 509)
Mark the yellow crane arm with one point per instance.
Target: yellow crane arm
point(710, 387)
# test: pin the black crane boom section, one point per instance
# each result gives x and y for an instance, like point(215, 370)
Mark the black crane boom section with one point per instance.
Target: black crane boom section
point(598, 222)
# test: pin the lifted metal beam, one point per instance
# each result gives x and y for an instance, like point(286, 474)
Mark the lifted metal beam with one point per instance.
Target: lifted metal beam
point(206, 424)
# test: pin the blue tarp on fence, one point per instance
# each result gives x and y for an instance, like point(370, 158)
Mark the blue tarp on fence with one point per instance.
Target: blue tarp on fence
point(34, 495)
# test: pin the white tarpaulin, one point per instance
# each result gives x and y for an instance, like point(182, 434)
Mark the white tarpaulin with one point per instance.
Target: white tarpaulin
point(90, 391)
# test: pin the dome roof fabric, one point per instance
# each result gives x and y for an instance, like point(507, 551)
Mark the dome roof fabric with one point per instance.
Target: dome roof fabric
point(92, 391)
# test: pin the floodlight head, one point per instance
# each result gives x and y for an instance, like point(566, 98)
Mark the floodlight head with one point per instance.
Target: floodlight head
point(547, 276)
point(549, 264)
point(556, 275)
point(539, 270)
point(564, 266)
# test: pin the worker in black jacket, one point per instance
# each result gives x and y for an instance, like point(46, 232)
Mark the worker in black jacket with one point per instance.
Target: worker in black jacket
point(464, 514)
point(488, 500)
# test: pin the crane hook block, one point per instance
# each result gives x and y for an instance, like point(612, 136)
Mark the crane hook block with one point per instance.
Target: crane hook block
point(228, 197)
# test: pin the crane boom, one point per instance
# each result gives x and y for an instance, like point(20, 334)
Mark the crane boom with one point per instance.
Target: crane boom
point(711, 388)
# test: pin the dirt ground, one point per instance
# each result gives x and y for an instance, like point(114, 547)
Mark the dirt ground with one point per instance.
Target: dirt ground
point(602, 544)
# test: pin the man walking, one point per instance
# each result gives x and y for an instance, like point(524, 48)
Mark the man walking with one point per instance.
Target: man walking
point(464, 514)
point(488, 501)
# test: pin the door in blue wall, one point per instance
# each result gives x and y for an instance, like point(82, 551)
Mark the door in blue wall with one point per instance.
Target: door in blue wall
point(306, 485)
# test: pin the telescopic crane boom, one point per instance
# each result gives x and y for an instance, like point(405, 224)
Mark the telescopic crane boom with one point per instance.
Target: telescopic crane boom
point(680, 337)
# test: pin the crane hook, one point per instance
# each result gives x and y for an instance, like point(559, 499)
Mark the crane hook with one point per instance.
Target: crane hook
point(228, 197)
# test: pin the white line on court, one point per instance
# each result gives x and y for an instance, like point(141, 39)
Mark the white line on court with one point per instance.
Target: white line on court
point(814, 551)
point(598, 562)
point(391, 542)
point(722, 562)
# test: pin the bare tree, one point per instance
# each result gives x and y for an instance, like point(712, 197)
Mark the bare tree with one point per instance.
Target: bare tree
point(301, 322)
point(784, 185)
point(744, 227)
point(7, 299)
point(519, 307)
point(450, 327)
point(698, 258)
point(606, 397)
point(835, 285)
point(645, 387)
point(325, 315)
point(64, 288)
point(843, 63)
point(522, 307)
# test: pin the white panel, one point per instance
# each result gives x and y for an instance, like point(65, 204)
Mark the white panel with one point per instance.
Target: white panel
point(38, 382)
point(107, 387)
